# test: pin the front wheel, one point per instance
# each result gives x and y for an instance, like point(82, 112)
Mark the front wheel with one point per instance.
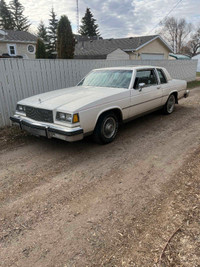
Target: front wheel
point(170, 104)
point(106, 128)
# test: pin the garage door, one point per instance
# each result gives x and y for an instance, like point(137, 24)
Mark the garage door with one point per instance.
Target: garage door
point(152, 56)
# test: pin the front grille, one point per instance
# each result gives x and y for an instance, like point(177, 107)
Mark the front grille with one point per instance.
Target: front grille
point(39, 114)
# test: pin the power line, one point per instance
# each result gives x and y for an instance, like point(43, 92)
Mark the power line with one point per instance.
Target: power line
point(77, 16)
point(166, 15)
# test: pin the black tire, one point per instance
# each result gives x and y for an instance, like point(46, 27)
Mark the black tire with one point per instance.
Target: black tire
point(169, 105)
point(106, 128)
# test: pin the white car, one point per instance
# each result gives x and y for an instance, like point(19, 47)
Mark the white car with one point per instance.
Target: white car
point(99, 103)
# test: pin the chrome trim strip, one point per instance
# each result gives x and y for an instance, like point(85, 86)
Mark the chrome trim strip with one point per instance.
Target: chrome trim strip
point(144, 102)
point(152, 99)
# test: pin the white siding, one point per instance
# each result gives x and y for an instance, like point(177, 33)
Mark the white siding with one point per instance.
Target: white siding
point(198, 58)
point(118, 54)
point(21, 78)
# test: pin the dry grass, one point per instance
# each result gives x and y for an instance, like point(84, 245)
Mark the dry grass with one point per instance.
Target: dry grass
point(193, 84)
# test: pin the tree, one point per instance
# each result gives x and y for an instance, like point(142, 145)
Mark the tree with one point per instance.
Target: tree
point(40, 49)
point(186, 50)
point(176, 31)
point(89, 26)
point(66, 41)
point(52, 33)
point(6, 20)
point(194, 43)
point(21, 22)
point(42, 31)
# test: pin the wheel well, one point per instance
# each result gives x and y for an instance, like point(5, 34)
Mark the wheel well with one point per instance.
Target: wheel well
point(176, 97)
point(116, 111)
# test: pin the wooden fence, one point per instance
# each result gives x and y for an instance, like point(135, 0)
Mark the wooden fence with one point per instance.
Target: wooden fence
point(21, 78)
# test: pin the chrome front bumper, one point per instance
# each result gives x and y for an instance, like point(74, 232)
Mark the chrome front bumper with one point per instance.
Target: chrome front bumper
point(48, 130)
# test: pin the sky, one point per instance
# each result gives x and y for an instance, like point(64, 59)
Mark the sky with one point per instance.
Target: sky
point(116, 18)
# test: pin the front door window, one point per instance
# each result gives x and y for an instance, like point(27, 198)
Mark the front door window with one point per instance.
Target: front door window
point(145, 76)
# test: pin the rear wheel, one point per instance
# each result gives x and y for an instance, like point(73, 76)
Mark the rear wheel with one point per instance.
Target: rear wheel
point(170, 104)
point(106, 128)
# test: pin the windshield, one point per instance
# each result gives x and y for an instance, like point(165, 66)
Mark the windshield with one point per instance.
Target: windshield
point(108, 78)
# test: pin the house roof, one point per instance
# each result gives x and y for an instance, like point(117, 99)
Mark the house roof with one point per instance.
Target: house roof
point(101, 48)
point(18, 36)
point(79, 37)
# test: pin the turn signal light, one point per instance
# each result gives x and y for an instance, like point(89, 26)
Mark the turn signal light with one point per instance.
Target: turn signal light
point(75, 118)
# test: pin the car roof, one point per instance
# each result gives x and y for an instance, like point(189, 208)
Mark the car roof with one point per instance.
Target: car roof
point(130, 67)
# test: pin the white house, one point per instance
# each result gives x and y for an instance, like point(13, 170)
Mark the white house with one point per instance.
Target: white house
point(198, 64)
point(17, 43)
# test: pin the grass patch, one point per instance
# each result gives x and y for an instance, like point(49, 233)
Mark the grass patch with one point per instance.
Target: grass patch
point(193, 84)
point(198, 74)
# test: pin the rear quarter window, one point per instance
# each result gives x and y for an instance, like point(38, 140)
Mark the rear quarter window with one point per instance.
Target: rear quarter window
point(162, 76)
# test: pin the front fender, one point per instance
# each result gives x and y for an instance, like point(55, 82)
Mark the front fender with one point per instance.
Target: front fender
point(109, 109)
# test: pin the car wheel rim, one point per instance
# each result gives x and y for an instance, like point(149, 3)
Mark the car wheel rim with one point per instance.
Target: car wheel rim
point(171, 104)
point(109, 127)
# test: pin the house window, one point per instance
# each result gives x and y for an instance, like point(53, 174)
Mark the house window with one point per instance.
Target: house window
point(31, 48)
point(12, 50)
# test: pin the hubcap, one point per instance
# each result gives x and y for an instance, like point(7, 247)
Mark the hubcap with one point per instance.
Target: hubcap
point(109, 127)
point(171, 104)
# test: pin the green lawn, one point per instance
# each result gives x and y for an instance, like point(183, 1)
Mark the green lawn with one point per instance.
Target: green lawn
point(198, 74)
point(193, 84)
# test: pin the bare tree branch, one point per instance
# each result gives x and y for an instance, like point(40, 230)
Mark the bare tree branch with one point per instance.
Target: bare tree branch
point(176, 31)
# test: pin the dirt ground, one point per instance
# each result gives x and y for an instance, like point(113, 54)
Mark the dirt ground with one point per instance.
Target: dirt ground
point(134, 202)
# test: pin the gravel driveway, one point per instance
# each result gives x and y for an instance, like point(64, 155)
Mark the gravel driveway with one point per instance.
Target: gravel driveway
point(82, 204)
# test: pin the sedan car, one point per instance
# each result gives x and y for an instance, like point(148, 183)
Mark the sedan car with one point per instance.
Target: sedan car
point(103, 99)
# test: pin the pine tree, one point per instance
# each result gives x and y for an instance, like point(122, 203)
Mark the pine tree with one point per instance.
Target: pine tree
point(40, 49)
point(89, 26)
point(52, 33)
point(42, 31)
point(21, 22)
point(6, 20)
point(66, 41)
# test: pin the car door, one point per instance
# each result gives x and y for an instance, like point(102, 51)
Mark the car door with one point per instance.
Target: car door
point(150, 96)
point(165, 85)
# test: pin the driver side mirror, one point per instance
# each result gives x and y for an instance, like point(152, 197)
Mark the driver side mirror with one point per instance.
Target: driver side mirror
point(141, 85)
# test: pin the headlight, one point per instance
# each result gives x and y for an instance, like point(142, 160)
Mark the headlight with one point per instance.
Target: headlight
point(21, 108)
point(61, 116)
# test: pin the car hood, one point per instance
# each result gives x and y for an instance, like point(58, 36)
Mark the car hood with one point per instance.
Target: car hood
point(70, 99)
